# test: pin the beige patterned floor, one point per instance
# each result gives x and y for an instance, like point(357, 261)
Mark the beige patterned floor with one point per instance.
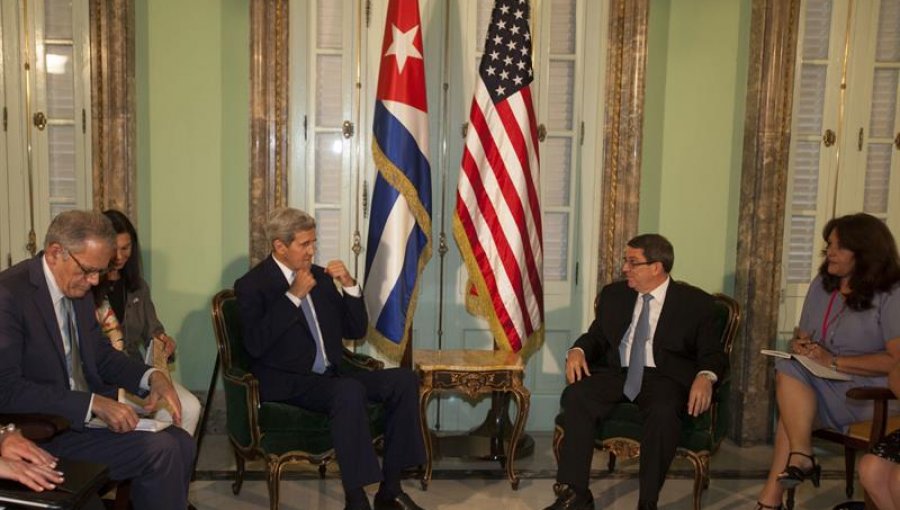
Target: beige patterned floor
point(472, 485)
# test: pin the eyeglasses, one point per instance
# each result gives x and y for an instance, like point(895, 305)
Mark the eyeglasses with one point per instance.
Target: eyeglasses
point(636, 263)
point(88, 271)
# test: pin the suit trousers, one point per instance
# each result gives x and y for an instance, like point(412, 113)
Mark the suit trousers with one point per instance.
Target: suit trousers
point(157, 463)
point(344, 398)
point(585, 403)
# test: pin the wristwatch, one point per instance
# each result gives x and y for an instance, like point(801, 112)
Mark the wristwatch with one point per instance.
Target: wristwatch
point(709, 375)
point(7, 429)
point(834, 362)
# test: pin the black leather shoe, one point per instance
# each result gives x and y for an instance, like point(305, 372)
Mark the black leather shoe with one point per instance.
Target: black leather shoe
point(401, 502)
point(568, 499)
point(646, 505)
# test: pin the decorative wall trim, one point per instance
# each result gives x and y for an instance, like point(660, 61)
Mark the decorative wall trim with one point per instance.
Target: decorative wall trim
point(625, 81)
point(269, 103)
point(767, 139)
point(113, 105)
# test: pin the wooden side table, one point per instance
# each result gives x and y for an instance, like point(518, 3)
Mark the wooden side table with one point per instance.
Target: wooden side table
point(472, 372)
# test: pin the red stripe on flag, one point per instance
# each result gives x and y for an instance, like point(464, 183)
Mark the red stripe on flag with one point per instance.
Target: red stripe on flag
point(487, 274)
point(506, 253)
point(511, 197)
point(514, 131)
point(532, 178)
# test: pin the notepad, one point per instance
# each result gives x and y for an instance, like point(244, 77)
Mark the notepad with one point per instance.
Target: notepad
point(810, 365)
point(144, 424)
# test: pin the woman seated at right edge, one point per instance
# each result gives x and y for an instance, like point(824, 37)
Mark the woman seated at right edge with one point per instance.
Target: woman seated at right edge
point(851, 323)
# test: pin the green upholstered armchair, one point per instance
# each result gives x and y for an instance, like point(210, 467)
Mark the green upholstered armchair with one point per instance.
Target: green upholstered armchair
point(700, 437)
point(280, 434)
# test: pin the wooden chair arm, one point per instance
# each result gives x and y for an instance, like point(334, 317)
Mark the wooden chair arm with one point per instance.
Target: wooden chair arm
point(35, 426)
point(871, 393)
point(880, 397)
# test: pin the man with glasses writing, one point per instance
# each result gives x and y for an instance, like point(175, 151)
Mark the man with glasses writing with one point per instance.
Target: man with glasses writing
point(653, 342)
point(55, 360)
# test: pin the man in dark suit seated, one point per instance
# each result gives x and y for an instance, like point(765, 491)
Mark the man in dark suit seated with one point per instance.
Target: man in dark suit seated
point(653, 342)
point(294, 320)
point(55, 360)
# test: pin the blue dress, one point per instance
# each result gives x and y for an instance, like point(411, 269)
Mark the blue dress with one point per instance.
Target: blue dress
point(849, 333)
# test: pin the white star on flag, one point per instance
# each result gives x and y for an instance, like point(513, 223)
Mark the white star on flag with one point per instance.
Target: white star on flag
point(402, 46)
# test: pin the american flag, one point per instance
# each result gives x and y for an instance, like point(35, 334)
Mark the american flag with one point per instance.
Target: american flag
point(400, 224)
point(497, 223)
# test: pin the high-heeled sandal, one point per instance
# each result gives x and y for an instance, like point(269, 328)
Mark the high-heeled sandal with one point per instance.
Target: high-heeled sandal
point(793, 476)
point(762, 506)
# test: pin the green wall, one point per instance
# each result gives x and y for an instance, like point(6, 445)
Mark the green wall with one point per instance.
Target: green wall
point(193, 150)
point(693, 129)
point(193, 159)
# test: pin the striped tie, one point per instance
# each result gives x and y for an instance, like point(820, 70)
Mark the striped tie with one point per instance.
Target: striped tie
point(638, 349)
point(73, 360)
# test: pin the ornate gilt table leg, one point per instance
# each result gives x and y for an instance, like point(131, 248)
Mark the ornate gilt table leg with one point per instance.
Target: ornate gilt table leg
point(523, 401)
point(424, 396)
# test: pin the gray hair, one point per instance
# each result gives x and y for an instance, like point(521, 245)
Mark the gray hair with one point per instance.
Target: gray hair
point(284, 222)
point(71, 229)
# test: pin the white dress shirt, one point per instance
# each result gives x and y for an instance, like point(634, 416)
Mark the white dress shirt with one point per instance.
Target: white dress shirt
point(289, 275)
point(56, 297)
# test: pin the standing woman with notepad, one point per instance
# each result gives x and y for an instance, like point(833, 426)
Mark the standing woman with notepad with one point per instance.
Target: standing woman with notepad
point(128, 317)
point(851, 323)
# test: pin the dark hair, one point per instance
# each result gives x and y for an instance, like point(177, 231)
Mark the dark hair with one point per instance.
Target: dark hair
point(132, 272)
point(876, 265)
point(656, 249)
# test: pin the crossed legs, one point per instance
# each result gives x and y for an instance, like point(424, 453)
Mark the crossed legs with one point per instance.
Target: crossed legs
point(157, 463)
point(797, 411)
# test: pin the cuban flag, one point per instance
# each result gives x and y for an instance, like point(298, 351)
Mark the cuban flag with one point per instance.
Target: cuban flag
point(399, 243)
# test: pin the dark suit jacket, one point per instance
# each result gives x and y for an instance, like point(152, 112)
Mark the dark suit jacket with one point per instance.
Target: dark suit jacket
point(685, 341)
point(33, 374)
point(276, 334)
point(140, 322)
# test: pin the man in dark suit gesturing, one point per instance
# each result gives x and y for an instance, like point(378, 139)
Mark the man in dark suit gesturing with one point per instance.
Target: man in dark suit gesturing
point(55, 360)
point(653, 342)
point(294, 320)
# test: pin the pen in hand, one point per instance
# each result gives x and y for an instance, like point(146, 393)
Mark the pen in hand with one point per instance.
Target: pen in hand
point(803, 342)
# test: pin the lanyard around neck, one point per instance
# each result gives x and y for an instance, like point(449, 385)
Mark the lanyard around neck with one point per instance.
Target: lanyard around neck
point(827, 321)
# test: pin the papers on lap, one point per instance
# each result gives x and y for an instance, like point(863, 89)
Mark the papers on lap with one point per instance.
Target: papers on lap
point(814, 368)
point(144, 424)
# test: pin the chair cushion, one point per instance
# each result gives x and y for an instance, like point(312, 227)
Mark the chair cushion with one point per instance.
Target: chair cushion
point(289, 428)
point(861, 429)
point(282, 428)
point(703, 433)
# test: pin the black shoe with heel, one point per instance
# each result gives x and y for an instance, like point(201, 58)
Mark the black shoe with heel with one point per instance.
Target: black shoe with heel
point(793, 476)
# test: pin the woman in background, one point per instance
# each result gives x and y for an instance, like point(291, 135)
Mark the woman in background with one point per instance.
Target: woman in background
point(851, 323)
point(125, 293)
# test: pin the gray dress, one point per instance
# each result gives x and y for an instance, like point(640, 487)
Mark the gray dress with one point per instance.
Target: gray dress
point(850, 333)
